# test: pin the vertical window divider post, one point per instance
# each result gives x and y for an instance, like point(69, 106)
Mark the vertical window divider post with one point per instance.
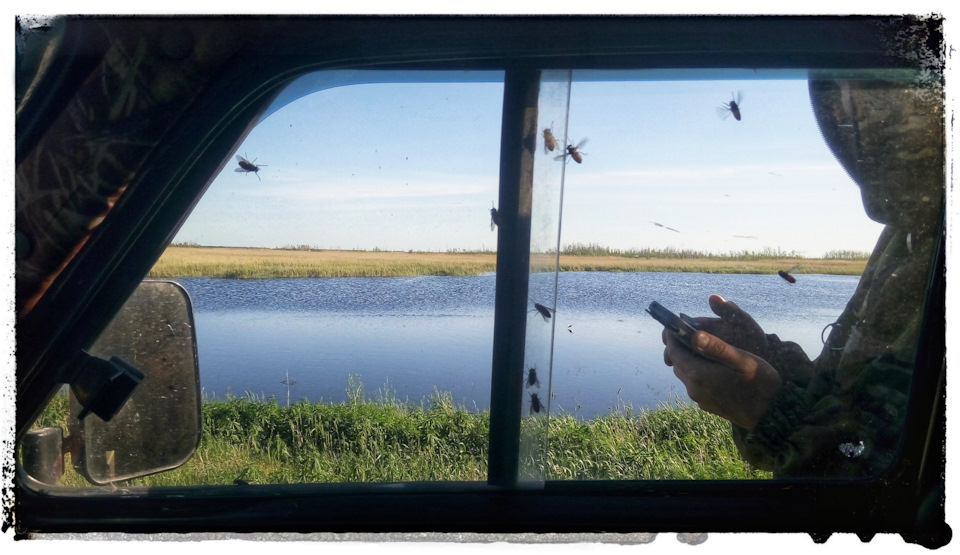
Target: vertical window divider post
point(517, 147)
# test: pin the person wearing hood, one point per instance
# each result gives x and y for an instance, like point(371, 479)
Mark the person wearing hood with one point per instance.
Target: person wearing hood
point(841, 414)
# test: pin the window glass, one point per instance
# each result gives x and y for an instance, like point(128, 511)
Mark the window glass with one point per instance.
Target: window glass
point(368, 329)
point(341, 270)
point(689, 187)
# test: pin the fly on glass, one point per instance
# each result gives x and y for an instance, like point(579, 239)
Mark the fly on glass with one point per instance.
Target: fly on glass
point(494, 218)
point(532, 378)
point(787, 274)
point(535, 404)
point(246, 166)
point(732, 107)
point(543, 311)
point(549, 141)
point(574, 152)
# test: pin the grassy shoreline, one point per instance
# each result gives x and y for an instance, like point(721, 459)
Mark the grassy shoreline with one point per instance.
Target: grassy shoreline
point(261, 442)
point(253, 263)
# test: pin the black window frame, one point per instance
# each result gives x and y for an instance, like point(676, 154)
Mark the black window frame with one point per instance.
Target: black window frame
point(124, 247)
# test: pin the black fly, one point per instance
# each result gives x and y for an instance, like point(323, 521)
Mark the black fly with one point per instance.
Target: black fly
point(532, 377)
point(544, 312)
point(786, 275)
point(535, 404)
point(246, 166)
point(732, 107)
point(495, 219)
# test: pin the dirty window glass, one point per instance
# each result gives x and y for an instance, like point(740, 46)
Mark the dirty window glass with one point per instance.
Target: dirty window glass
point(345, 308)
point(682, 185)
point(341, 269)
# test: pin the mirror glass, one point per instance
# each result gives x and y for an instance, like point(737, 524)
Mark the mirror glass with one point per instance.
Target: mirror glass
point(159, 426)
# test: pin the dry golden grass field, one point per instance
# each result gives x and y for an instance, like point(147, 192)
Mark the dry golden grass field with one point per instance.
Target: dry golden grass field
point(248, 263)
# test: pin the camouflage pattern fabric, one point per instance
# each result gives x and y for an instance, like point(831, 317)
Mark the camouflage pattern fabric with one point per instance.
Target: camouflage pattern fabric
point(842, 415)
point(82, 165)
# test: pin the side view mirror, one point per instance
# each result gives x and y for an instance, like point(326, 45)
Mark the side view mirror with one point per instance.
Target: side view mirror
point(158, 427)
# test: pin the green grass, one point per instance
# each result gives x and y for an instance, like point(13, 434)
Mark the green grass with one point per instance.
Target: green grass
point(362, 440)
point(674, 441)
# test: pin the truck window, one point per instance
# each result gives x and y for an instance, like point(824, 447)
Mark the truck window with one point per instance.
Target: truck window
point(681, 187)
point(343, 274)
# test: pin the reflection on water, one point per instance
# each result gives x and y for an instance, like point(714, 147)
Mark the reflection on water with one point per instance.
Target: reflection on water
point(410, 337)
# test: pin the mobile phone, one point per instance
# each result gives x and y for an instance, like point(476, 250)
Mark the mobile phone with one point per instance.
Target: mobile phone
point(682, 327)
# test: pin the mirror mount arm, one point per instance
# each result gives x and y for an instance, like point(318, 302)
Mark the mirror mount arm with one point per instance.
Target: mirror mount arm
point(103, 386)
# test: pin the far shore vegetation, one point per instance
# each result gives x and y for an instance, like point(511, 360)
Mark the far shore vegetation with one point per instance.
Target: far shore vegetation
point(191, 260)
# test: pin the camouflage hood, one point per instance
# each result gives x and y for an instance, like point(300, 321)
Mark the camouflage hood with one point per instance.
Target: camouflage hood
point(889, 137)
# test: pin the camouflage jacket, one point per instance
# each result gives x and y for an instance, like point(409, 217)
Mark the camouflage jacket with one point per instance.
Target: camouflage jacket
point(841, 415)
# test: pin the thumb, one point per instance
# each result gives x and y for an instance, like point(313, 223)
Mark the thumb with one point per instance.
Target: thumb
point(728, 310)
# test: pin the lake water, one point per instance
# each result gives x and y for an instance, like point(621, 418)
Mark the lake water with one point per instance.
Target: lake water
point(406, 338)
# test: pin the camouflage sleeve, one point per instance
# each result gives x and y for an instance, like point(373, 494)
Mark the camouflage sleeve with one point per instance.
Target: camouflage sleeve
point(762, 446)
point(790, 360)
point(842, 415)
point(853, 431)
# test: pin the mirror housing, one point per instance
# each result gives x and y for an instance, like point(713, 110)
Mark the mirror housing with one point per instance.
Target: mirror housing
point(158, 427)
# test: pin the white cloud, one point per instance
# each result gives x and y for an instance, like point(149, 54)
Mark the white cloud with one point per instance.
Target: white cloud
point(346, 189)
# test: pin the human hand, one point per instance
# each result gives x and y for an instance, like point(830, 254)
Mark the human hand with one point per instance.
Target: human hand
point(734, 326)
point(722, 379)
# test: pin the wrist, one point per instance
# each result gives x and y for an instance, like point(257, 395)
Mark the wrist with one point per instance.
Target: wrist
point(767, 390)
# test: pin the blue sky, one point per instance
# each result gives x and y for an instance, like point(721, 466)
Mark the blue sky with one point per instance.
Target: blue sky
point(401, 166)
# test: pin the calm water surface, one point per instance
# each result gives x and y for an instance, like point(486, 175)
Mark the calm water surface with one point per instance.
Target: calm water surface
point(407, 338)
